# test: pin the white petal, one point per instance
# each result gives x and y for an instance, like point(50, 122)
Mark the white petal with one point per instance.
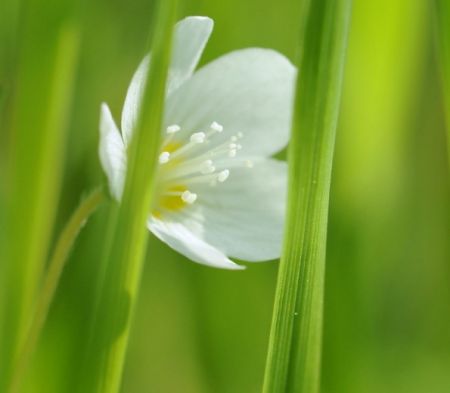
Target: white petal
point(244, 216)
point(112, 152)
point(133, 100)
point(181, 239)
point(190, 37)
point(248, 91)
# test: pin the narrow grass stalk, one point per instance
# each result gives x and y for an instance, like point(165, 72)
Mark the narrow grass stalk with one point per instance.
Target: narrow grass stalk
point(50, 283)
point(129, 238)
point(45, 80)
point(442, 12)
point(293, 362)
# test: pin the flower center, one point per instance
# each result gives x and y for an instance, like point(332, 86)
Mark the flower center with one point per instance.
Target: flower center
point(186, 168)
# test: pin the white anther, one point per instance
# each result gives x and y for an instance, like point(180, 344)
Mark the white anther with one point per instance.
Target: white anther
point(240, 135)
point(164, 157)
point(233, 146)
point(216, 126)
point(198, 137)
point(232, 153)
point(249, 164)
point(208, 167)
point(188, 197)
point(222, 176)
point(173, 129)
point(238, 146)
point(234, 138)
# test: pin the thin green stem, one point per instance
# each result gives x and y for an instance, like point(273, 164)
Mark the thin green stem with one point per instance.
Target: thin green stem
point(51, 280)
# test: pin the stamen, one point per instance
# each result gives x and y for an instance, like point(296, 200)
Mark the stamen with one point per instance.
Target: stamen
point(188, 197)
point(164, 157)
point(173, 129)
point(216, 126)
point(194, 164)
point(195, 139)
point(222, 149)
point(222, 176)
point(198, 137)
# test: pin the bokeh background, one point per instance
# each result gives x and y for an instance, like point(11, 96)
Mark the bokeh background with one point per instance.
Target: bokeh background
point(200, 330)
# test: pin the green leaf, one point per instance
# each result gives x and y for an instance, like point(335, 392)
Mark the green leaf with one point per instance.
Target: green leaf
point(293, 362)
point(129, 236)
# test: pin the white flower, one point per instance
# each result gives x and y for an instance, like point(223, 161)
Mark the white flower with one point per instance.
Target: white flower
point(218, 192)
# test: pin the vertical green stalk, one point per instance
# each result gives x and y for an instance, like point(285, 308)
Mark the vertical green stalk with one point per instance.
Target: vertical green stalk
point(39, 123)
point(443, 26)
point(129, 238)
point(293, 362)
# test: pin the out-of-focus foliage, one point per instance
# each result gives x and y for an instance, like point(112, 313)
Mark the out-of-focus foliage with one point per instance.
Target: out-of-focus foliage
point(387, 308)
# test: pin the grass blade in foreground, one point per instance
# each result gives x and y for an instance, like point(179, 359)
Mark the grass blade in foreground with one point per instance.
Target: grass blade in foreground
point(293, 363)
point(129, 236)
point(443, 25)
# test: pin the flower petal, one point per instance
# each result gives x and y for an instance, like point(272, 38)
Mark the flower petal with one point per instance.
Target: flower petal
point(133, 100)
point(248, 91)
point(112, 152)
point(244, 216)
point(190, 37)
point(183, 240)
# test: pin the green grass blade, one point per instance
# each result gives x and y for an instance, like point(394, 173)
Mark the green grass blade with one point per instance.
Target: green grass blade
point(129, 238)
point(45, 80)
point(443, 26)
point(293, 363)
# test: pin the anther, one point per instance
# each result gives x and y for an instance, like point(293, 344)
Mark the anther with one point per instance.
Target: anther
point(188, 197)
point(232, 153)
point(222, 176)
point(240, 135)
point(198, 137)
point(249, 164)
point(173, 129)
point(216, 126)
point(164, 157)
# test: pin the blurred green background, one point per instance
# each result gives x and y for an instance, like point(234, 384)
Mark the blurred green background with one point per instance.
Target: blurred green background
point(387, 306)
